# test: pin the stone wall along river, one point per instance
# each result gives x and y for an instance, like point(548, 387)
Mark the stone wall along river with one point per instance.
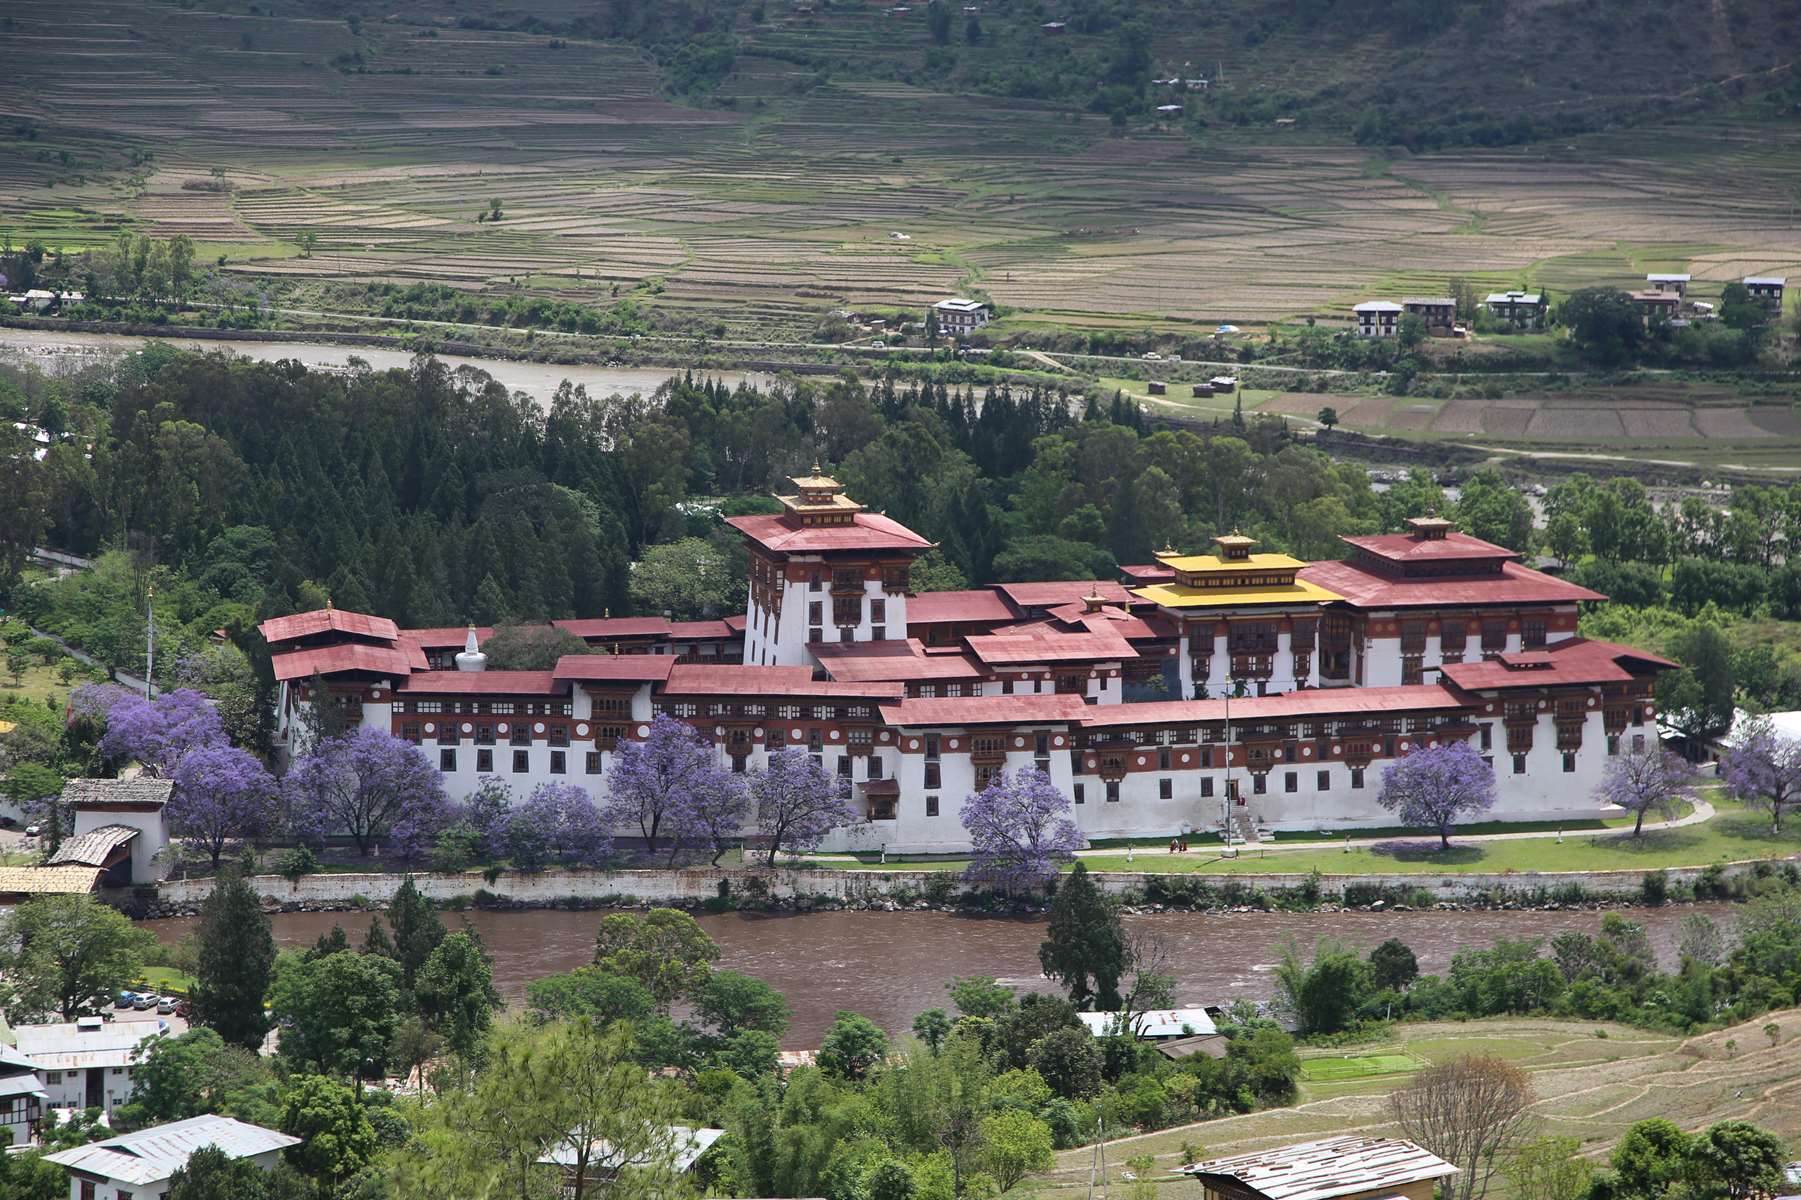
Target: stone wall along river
point(893, 966)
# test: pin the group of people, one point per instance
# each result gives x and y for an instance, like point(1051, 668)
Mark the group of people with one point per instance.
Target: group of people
point(1178, 845)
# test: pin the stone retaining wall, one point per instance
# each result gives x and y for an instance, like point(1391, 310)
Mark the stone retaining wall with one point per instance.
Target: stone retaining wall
point(703, 884)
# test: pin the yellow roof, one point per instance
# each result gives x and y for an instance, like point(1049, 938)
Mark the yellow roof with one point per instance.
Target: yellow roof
point(47, 881)
point(1175, 595)
point(1194, 563)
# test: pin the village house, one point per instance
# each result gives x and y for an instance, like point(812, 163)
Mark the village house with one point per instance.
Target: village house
point(1349, 1167)
point(138, 1166)
point(22, 1098)
point(1525, 310)
point(1378, 318)
point(1677, 285)
point(1438, 312)
point(959, 316)
point(1654, 304)
point(1237, 689)
point(1767, 291)
point(87, 1063)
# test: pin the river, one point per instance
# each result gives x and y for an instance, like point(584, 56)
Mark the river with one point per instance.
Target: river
point(892, 966)
point(57, 351)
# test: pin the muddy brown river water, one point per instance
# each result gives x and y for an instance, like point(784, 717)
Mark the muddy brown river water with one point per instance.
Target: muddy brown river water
point(893, 966)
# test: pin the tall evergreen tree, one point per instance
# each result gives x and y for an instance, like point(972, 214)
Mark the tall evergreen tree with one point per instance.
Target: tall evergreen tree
point(237, 957)
point(1085, 944)
point(417, 931)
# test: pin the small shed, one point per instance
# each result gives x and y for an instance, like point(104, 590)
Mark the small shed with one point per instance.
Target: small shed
point(1224, 384)
point(1353, 1165)
point(1155, 388)
point(1203, 390)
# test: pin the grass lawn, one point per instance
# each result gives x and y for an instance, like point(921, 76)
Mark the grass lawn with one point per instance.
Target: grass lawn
point(1737, 833)
point(163, 980)
point(1358, 1066)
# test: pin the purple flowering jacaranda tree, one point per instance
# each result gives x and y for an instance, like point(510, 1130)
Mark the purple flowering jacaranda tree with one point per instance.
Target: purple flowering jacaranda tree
point(651, 780)
point(370, 785)
point(797, 802)
point(1020, 830)
point(159, 733)
point(710, 814)
point(1764, 769)
point(557, 823)
point(221, 793)
point(1647, 779)
point(1437, 786)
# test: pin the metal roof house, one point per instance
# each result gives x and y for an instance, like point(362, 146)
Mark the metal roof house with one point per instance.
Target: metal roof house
point(1152, 1025)
point(139, 1164)
point(89, 1063)
point(1338, 1168)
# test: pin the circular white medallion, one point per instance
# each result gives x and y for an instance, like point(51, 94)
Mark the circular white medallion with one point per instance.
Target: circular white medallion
point(538, 728)
point(468, 728)
point(429, 727)
point(643, 731)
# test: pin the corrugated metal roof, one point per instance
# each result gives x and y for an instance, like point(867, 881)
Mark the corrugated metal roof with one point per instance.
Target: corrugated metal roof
point(94, 847)
point(23, 1084)
point(1048, 646)
point(67, 1047)
point(1156, 1023)
point(696, 630)
point(1338, 1166)
point(1176, 595)
point(735, 679)
point(47, 881)
point(682, 1144)
point(984, 710)
point(1567, 662)
point(327, 620)
point(949, 608)
point(1322, 702)
point(1052, 592)
point(1515, 584)
point(152, 1155)
point(446, 637)
point(1405, 547)
point(397, 660)
point(602, 628)
point(480, 683)
point(896, 659)
point(616, 668)
point(867, 531)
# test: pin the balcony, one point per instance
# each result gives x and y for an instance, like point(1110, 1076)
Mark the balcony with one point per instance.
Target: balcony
point(988, 751)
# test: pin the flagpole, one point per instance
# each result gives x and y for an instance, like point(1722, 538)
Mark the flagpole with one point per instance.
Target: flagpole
point(150, 640)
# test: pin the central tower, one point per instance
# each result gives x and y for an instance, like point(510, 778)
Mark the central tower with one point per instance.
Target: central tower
point(824, 570)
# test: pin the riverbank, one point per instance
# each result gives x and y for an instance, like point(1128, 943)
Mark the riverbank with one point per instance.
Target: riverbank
point(809, 889)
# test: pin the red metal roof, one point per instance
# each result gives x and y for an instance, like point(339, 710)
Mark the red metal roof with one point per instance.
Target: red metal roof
point(901, 659)
point(1405, 547)
point(1514, 585)
point(867, 531)
point(615, 668)
point(1049, 593)
point(447, 637)
point(736, 622)
point(482, 683)
point(984, 710)
point(696, 631)
point(1570, 662)
point(327, 620)
point(591, 629)
point(732, 679)
point(1011, 649)
point(1313, 702)
point(1146, 573)
point(393, 661)
point(1109, 620)
point(946, 608)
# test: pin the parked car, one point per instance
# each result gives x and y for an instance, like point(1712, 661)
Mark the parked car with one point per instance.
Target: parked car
point(31, 831)
point(1151, 356)
point(145, 1002)
point(125, 1000)
point(166, 1006)
point(185, 1009)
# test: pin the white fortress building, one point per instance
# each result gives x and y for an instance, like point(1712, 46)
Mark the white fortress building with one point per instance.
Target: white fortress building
point(1235, 688)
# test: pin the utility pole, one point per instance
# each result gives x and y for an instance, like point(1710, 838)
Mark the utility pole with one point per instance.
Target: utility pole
point(149, 639)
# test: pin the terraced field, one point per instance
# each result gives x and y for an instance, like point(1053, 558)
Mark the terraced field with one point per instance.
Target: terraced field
point(387, 137)
point(1592, 1080)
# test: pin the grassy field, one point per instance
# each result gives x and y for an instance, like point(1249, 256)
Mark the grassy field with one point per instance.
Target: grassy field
point(1592, 1080)
point(1735, 834)
point(1341, 1067)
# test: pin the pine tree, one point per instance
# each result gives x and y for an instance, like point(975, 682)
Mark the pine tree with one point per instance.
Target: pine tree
point(237, 955)
point(417, 931)
point(1085, 943)
point(377, 941)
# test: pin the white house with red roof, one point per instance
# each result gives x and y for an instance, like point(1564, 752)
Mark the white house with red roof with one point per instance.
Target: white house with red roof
point(1239, 687)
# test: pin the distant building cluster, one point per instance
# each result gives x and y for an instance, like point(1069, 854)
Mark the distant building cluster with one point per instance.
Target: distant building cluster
point(1664, 297)
point(1235, 688)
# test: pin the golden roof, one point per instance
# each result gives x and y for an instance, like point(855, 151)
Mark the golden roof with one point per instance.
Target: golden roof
point(1176, 595)
point(1198, 563)
point(47, 881)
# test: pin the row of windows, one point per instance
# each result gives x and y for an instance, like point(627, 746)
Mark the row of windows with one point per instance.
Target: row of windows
point(690, 709)
point(498, 708)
